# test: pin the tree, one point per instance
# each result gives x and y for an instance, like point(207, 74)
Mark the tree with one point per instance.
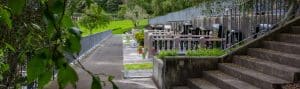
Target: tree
point(135, 14)
point(35, 35)
point(94, 17)
point(112, 6)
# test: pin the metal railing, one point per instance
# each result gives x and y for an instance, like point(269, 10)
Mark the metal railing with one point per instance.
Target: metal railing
point(234, 23)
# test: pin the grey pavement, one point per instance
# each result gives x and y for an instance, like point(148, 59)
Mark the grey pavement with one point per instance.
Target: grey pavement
point(131, 56)
point(130, 53)
point(107, 59)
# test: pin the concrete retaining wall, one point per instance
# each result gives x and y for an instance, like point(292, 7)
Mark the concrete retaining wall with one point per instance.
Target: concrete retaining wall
point(174, 71)
point(158, 72)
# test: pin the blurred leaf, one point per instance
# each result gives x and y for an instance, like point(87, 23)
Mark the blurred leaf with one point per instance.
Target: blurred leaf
point(110, 79)
point(38, 65)
point(3, 67)
point(35, 67)
point(45, 78)
point(22, 57)
point(75, 31)
point(73, 44)
point(67, 21)
point(1, 77)
point(10, 47)
point(96, 84)
point(56, 6)
point(89, 2)
point(16, 6)
point(67, 75)
point(49, 18)
point(5, 18)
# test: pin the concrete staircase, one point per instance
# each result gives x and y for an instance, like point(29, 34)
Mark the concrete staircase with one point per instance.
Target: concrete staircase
point(275, 62)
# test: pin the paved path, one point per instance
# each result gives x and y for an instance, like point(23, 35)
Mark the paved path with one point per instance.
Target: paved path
point(131, 56)
point(108, 59)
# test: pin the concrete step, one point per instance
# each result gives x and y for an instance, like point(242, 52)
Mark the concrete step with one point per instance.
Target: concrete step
point(271, 68)
point(198, 83)
point(295, 30)
point(275, 56)
point(253, 77)
point(283, 46)
point(225, 81)
point(180, 87)
point(290, 38)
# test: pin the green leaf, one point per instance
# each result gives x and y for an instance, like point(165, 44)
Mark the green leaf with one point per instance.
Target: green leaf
point(96, 84)
point(110, 79)
point(48, 17)
point(67, 75)
point(73, 44)
point(5, 17)
point(38, 65)
point(56, 6)
point(45, 78)
point(3, 67)
point(10, 47)
point(35, 67)
point(16, 6)
point(89, 2)
point(67, 21)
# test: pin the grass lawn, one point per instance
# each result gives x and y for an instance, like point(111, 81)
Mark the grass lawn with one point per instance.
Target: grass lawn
point(141, 66)
point(118, 27)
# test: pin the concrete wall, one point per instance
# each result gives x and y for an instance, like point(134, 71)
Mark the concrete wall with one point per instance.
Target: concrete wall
point(158, 72)
point(89, 43)
point(174, 71)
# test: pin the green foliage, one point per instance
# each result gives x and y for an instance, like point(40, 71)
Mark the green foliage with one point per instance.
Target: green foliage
point(37, 34)
point(121, 13)
point(5, 17)
point(8, 46)
point(110, 79)
point(96, 84)
point(139, 36)
point(73, 42)
point(94, 17)
point(16, 6)
point(164, 53)
point(205, 52)
point(117, 27)
point(140, 66)
point(67, 75)
point(112, 6)
point(3, 67)
point(135, 14)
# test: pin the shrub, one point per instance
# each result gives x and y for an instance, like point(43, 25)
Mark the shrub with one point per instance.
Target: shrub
point(139, 36)
point(163, 54)
point(205, 52)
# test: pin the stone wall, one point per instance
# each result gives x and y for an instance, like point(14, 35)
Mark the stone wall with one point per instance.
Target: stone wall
point(174, 71)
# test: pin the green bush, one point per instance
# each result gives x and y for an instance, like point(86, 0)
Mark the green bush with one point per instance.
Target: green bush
point(205, 52)
point(163, 54)
point(139, 36)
